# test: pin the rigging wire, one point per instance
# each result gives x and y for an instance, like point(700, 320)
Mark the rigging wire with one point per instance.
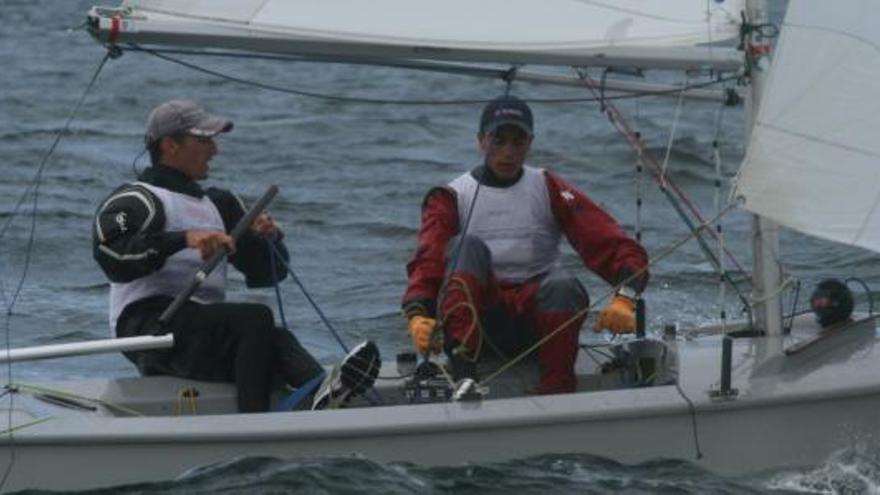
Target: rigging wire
point(719, 175)
point(797, 293)
point(35, 186)
point(669, 145)
point(274, 255)
point(453, 265)
point(633, 139)
point(383, 101)
point(277, 255)
point(692, 234)
point(692, 411)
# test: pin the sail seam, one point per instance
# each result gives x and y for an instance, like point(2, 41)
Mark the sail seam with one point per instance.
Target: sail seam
point(842, 34)
point(817, 139)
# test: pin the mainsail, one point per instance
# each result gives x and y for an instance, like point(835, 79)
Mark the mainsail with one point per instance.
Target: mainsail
point(632, 33)
point(813, 162)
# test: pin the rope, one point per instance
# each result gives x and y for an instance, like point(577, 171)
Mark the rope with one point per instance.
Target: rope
point(693, 413)
point(640, 178)
point(716, 154)
point(64, 393)
point(634, 139)
point(272, 250)
point(453, 265)
point(25, 425)
point(35, 186)
point(182, 395)
point(797, 294)
point(415, 102)
point(678, 106)
point(475, 321)
point(377, 398)
point(663, 254)
point(308, 296)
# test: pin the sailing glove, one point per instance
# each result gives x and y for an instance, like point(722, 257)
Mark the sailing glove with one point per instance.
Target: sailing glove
point(618, 317)
point(421, 330)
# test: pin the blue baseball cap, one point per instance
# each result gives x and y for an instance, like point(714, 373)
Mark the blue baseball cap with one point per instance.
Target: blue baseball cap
point(506, 110)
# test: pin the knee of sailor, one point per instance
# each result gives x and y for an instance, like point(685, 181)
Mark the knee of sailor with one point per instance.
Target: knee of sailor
point(471, 251)
point(258, 318)
point(562, 294)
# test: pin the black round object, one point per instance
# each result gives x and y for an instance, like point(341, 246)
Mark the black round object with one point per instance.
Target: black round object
point(832, 302)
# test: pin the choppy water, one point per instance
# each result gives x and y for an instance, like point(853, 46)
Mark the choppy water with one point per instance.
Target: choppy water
point(352, 177)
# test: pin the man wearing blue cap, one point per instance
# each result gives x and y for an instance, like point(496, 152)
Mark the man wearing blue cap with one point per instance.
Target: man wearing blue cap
point(150, 237)
point(487, 261)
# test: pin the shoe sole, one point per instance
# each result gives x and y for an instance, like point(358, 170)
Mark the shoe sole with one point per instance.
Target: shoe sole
point(356, 373)
point(360, 368)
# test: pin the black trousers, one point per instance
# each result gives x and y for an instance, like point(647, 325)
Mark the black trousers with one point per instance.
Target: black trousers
point(222, 342)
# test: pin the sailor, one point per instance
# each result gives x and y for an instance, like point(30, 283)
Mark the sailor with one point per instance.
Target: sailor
point(152, 235)
point(487, 259)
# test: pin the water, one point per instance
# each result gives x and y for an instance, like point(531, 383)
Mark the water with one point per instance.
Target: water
point(352, 177)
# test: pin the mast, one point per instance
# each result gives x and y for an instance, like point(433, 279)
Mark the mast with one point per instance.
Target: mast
point(766, 271)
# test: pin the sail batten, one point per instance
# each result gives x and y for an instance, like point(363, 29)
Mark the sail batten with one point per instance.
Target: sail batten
point(813, 162)
point(646, 33)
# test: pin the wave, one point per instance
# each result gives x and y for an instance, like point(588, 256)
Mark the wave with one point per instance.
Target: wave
point(566, 473)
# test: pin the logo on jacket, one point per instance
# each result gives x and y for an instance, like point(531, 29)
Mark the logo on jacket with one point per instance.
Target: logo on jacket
point(567, 195)
point(121, 218)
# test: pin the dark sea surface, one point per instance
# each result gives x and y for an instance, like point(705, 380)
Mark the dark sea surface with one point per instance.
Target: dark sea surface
point(352, 177)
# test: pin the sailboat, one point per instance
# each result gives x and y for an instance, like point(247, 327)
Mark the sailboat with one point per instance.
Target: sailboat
point(734, 399)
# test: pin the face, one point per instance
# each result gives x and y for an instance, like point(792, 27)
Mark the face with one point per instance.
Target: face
point(505, 150)
point(189, 154)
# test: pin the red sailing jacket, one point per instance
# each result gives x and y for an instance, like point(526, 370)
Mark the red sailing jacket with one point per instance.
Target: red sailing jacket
point(599, 241)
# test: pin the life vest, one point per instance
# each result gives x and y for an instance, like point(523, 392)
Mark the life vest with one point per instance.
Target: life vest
point(182, 213)
point(515, 222)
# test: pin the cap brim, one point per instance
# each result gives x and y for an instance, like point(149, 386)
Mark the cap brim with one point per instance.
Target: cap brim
point(211, 126)
point(494, 126)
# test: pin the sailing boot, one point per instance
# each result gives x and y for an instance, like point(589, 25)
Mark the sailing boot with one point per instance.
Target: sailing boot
point(353, 376)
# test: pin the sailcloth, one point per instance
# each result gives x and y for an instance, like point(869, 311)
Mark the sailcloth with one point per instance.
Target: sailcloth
point(813, 162)
point(643, 33)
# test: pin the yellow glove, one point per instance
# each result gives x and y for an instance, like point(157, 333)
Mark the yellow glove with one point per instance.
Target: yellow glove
point(421, 329)
point(618, 317)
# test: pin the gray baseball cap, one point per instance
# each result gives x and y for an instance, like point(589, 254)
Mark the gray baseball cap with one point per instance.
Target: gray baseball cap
point(183, 117)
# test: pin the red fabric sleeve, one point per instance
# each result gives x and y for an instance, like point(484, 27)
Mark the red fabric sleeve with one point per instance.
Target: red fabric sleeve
point(426, 268)
point(599, 241)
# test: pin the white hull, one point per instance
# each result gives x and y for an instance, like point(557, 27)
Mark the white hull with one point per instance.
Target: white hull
point(791, 410)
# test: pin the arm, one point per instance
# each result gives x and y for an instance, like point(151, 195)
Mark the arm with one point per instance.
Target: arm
point(128, 241)
point(251, 255)
point(426, 268)
point(599, 241)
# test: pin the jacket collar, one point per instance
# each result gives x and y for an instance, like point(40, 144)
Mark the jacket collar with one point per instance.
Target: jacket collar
point(171, 179)
point(484, 175)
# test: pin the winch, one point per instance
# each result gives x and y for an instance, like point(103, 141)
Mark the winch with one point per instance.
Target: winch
point(426, 383)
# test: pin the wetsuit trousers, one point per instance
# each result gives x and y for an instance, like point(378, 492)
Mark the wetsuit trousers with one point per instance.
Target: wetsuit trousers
point(222, 342)
point(511, 316)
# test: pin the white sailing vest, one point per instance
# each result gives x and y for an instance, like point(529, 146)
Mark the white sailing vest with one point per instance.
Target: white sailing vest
point(515, 222)
point(182, 212)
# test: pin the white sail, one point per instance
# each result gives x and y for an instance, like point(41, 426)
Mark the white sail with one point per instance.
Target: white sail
point(813, 162)
point(643, 33)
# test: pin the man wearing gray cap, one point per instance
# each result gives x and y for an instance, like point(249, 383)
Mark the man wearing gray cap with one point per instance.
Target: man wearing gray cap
point(150, 236)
